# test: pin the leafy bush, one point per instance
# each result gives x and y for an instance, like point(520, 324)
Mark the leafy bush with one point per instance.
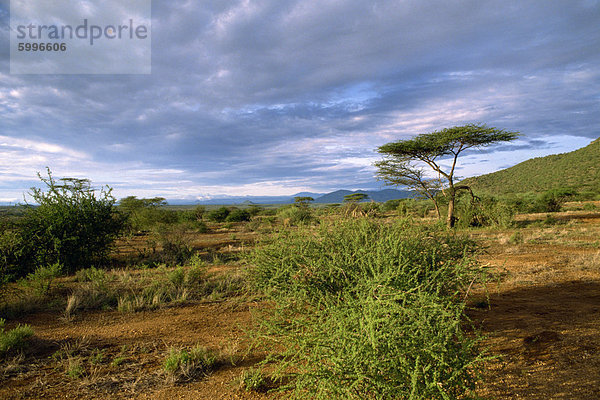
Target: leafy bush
point(484, 211)
point(186, 216)
point(255, 210)
point(368, 311)
point(11, 248)
point(175, 243)
point(146, 214)
point(521, 203)
point(238, 215)
point(218, 215)
point(199, 212)
point(71, 226)
point(553, 200)
point(191, 215)
point(391, 205)
point(295, 215)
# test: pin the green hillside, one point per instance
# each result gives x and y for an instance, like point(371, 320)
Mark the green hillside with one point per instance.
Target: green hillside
point(579, 169)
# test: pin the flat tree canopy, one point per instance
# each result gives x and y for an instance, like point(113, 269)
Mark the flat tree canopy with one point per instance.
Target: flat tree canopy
point(355, 197)
point(303, 201)
point(429, 148)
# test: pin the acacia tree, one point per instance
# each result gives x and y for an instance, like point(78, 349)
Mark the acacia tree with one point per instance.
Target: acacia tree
point(303, 201)
point(355, 197)
point(397, 172)
point(430, 148)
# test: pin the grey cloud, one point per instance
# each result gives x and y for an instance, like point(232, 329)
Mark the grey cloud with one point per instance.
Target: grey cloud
point(233, 82)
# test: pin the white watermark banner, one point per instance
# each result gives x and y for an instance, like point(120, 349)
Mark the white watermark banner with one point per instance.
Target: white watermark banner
point(80, 37)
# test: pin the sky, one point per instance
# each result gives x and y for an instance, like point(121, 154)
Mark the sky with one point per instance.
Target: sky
point(276, 97)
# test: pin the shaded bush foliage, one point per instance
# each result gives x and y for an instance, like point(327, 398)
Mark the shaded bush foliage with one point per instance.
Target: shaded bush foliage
point(553, 200)
point(218, 215)
point(484, 211)
point(238, 215)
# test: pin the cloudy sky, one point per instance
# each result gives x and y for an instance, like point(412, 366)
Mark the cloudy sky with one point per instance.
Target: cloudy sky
point(274, 97)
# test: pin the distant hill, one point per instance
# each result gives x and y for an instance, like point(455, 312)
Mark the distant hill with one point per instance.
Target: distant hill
point(248, 200)
point(579, 169)
point(379, 196)
point(333, 197)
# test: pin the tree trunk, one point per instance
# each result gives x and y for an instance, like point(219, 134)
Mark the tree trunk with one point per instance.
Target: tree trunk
point(450, 218)
point(437, 209)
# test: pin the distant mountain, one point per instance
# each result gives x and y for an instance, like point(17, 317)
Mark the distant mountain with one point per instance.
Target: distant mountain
point(333, 197)
point(308, 194)
point(579, 169)
point(379, 196)
point(243, 200)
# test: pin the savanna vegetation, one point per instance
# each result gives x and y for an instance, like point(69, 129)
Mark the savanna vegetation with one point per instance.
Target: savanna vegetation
point(405, 161)
point(578, 170)
point(133, 298)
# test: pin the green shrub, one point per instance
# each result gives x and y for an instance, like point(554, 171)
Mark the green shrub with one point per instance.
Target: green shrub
point(391, 205)
point(366, 310)
point(415, 207)
point(186, 216)
point(146, 214)
point(218, 215)
point(176, 245)
point(253, 380)
point(93, 274)
point(295, 215)
point(11, 248)
point(484, 211)
point(553, 200)
point(70, 226)
point(40, 281)
point(177, 276)
point(15, 338)
point(255, 210)
point(200, 227)
point(199, 212)
point(148, 218)
point(238, 215)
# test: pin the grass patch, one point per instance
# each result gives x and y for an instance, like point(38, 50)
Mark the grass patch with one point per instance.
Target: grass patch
point(40, 281)
point(183, 365)
point(254, 380)
point(14, 339)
